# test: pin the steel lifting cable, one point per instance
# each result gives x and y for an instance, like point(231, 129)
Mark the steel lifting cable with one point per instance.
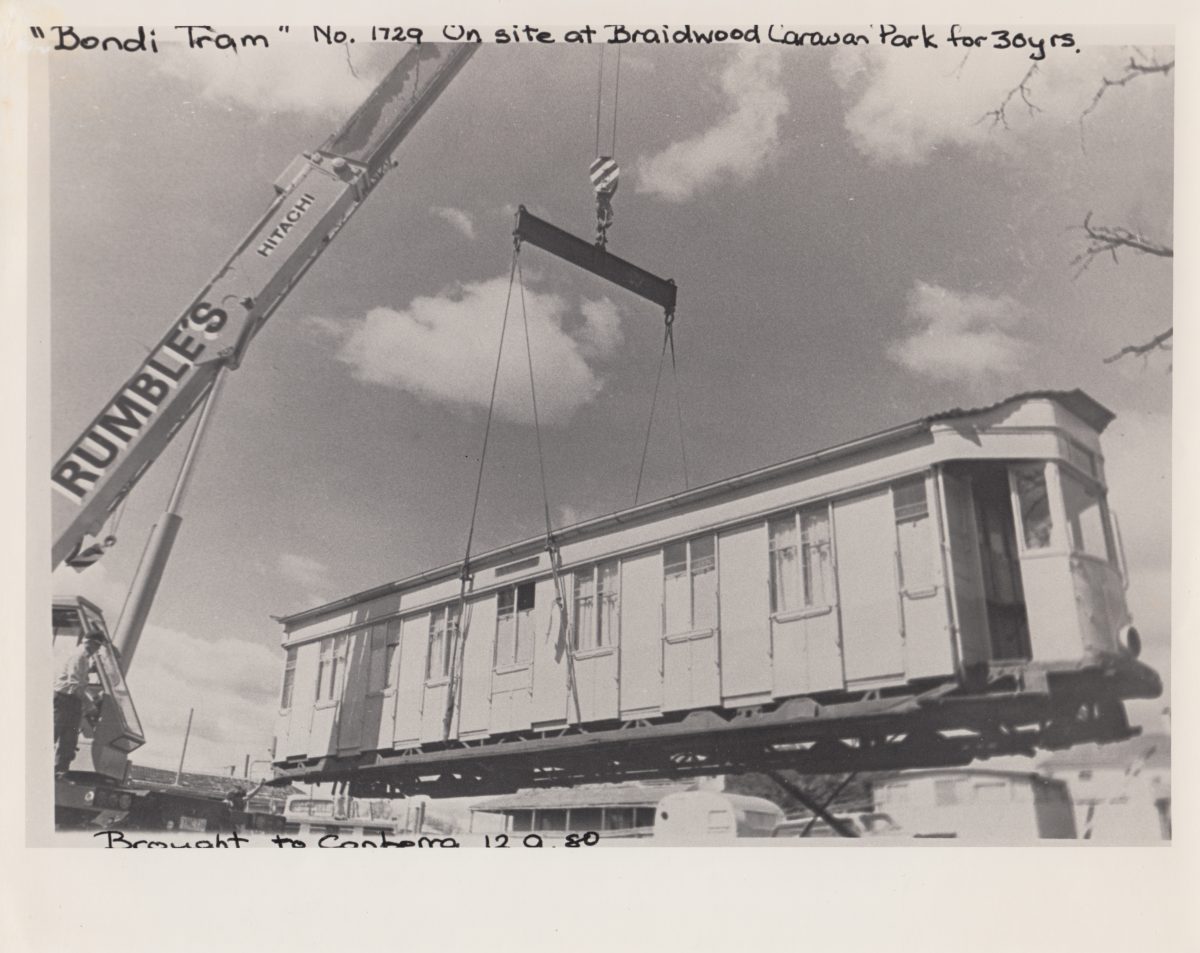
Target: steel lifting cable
point(465, 575)
point(616, 102)
point(600, 98)
point(612, 145)
point(551, 545)
point(668, 342)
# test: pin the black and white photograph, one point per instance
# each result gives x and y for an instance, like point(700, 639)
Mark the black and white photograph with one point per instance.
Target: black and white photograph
point(600, 430)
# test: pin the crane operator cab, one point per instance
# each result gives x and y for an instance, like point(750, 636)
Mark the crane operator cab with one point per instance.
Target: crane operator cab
point(104, 742)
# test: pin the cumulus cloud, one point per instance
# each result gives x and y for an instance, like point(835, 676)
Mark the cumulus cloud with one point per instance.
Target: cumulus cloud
point(443, 349)
point(904, 108)
point(959, 336)
point(456, 217)
point(303, 78)
point(738, 145)
point(231, 684)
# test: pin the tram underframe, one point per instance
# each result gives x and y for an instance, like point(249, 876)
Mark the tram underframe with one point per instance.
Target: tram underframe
point(1016, 710)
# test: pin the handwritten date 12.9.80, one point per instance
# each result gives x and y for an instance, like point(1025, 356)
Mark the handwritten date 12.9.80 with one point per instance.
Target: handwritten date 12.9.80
point(583, 839)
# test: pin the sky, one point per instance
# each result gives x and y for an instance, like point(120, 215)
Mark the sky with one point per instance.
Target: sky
point(856, 244)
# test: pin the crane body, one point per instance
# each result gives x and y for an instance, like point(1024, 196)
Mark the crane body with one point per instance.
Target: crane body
point(314, 198)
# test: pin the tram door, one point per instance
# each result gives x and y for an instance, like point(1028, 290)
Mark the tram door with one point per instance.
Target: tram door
point(353, 691)
point(1008, 622)
point(966, 568)
point(868, 587)
point(922, 603)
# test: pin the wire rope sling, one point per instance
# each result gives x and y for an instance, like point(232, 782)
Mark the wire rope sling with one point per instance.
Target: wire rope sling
point(596, 259)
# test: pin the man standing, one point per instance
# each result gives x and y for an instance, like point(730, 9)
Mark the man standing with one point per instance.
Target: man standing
point(70, 693)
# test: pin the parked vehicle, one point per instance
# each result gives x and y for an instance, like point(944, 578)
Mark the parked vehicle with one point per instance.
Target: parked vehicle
point(713, 817)
point(315, 815)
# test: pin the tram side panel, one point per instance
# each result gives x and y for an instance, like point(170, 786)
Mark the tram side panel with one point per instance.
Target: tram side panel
point(551, 639)
point(297, 700)
point(478, 654)
point(812, 600)
point(410, 681)
point(872, 589)
point(641, 667)
point(745, 620)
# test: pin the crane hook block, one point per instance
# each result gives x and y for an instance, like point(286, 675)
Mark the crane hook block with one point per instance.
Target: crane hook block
point(594, 258)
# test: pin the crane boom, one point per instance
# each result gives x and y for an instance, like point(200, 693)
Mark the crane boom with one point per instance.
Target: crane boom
point(315, 197)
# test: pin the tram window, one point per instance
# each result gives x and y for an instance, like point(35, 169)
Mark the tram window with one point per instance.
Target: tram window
point(1085, 517)
point(330, 662)
point(514, 625)
point(597, 606)
point(801, 576)
point(324, 665)
point(1035, 505)
point(1081, 457)
point(913, 535)
point(909, 499)
point(690, 585)
point(443, 623)
point(289, 679)
point(375, 666)
point(391, 647)
point(385, 640)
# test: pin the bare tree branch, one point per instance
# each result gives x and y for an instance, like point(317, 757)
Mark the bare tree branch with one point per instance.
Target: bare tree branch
point(999, 115)
point(1106, 239)
point(1158, 342)
point(1134, 70)
point(1101, 239)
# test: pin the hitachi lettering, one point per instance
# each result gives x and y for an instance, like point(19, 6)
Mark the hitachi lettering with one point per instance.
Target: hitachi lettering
point(126, 415)
point(286, 225)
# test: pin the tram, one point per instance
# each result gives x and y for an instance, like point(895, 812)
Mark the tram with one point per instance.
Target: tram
point(947, 589)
